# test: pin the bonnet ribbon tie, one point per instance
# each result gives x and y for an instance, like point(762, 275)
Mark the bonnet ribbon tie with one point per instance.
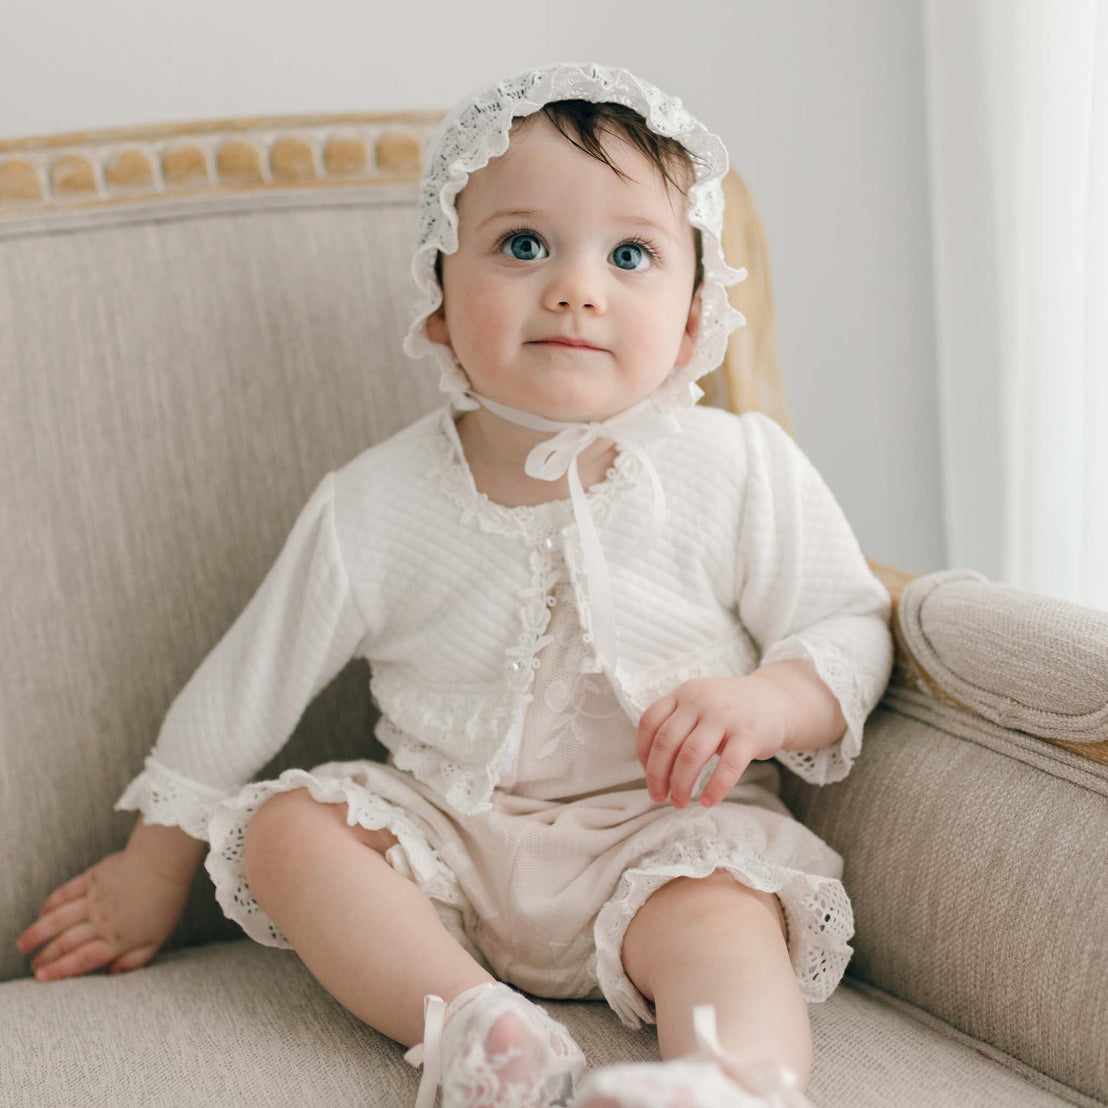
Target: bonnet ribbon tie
point(550, 459)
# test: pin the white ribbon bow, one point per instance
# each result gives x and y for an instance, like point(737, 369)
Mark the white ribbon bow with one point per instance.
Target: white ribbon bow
point(551, 459)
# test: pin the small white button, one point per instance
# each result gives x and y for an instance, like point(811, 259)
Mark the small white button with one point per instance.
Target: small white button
point(549, 543)
point(515, 666)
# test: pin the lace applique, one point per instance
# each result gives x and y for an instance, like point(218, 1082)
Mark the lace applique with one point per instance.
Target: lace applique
point(491, 725)
point(819, 918)
point(170, 799)
point(465, 787)
point(430, 714)
point(567, 697)
point(534, 617)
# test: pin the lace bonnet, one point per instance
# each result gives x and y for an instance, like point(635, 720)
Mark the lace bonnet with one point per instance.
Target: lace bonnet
point(476, 130)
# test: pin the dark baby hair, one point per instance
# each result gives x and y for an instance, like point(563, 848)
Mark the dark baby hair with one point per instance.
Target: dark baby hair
point(582, 122)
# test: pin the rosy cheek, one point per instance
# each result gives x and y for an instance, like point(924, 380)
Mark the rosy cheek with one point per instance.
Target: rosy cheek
point(492, 313)
point(484, 325)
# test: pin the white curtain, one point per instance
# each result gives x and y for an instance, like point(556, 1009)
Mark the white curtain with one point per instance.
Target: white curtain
point(1017, 98)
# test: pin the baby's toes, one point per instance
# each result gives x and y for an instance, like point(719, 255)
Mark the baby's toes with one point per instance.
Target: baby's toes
point(511, 1049)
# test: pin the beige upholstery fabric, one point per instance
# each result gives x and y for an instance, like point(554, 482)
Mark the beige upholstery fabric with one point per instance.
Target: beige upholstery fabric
point(1029, 662)
point(178, 374)
point(174, 389)
point(249, 1025)
point(975, 859)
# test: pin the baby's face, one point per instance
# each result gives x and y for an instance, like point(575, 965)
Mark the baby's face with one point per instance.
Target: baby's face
point(552, 244)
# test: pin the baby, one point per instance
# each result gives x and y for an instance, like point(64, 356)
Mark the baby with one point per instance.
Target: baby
point(595, 614)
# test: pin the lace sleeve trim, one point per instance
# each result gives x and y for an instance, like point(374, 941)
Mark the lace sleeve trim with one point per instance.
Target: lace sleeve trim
point(167, 798)
point(842, 676)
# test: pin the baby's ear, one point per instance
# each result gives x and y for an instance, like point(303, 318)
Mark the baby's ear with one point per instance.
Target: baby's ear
point(692, 329)
point(436, 326)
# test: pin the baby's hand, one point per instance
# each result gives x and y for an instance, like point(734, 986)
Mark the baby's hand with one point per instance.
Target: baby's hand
point(738, 718)
point(118, 912)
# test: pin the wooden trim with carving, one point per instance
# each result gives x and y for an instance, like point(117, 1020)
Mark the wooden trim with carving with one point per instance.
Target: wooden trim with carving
point(83, 168)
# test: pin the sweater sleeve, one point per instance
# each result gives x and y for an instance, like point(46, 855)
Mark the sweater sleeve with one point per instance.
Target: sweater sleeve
point(242, 703)
point(805, 590)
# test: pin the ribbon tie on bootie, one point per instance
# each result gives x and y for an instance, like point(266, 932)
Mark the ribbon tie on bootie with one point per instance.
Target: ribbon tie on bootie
point(556, 456)
point(428, 1053)
point(778, 1084)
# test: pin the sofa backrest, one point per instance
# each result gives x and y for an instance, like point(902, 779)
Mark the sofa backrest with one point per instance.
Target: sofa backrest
point(177, 377)
point(197, 322)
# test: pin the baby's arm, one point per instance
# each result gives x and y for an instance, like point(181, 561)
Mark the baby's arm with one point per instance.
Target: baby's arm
point(234, 714)
point(806, 594)
point(820, 619)
point(239, 707)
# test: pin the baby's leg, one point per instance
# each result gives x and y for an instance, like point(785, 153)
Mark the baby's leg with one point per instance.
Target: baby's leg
point(714, 941)
point(367, 933)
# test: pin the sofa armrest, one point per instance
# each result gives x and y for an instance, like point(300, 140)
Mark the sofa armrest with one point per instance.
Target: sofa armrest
point(974, 825)
point(1003, 653)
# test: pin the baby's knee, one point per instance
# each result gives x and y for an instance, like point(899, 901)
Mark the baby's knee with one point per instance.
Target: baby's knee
point(293, 821)
point(273, 829)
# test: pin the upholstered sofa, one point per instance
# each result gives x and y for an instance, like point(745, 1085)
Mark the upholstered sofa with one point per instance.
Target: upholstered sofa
point(196, 323)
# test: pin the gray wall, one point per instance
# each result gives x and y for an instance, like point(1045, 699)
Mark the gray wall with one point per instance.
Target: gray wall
point(820, 103)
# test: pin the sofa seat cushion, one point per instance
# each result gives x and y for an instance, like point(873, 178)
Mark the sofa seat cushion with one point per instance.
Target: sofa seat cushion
point(239, 1023)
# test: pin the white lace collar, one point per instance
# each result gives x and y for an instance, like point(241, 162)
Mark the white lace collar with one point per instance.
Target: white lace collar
point(530, 522)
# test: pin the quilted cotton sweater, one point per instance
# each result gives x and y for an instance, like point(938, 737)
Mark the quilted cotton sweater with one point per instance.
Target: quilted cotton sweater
point(397, 558)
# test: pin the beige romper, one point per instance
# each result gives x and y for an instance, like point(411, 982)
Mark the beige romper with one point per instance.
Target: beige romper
point(541, 888)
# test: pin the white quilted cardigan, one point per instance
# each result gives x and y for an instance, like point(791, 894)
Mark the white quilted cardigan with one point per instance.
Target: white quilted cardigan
point(397, 558)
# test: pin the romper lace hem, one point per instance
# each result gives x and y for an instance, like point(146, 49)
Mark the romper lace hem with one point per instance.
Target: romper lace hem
point(331, 783)
point(818, 917)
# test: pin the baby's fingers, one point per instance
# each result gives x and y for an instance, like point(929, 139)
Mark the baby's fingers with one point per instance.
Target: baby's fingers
point(663, 750)
point(659, 711)
point(87, 957)
point(71, 890)
point(133, 959)
point(67, 941)
point(701, 744)
point(49, 924)
point(733, 761)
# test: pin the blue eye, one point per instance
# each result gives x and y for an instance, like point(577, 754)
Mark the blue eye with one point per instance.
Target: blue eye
point(628, 255)
point(524, 246)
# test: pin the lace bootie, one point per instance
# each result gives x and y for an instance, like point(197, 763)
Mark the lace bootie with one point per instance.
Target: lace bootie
point(483, 1060)
point(709, 1079)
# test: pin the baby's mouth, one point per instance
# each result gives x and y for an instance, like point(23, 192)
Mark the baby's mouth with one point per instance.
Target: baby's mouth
point(555, 344)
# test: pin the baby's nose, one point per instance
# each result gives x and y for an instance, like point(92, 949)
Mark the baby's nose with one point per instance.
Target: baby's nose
point(575, 286)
